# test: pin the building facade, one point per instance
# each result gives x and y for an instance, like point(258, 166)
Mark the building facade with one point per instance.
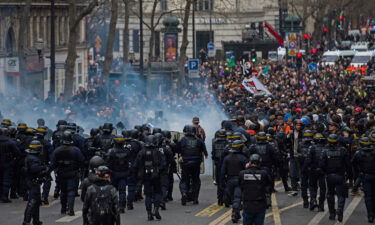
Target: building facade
point(219, 21)
point(36, 77)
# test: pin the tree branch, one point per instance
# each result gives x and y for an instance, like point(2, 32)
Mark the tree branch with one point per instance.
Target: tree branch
point(85, 12)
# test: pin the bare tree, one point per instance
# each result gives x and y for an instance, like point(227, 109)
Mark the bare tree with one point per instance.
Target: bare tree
point(185, 41)
point(126, 32)
point(110, 41)
point(74, 21)
point(22, 34)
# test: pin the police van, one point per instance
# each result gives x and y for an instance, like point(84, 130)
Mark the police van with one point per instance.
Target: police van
point(330, 58)
point(362, 58)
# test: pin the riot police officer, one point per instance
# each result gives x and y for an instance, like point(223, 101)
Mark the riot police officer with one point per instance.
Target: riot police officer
point(94, 164)
point(104, 140)
point(363, 164)
point(256, 187)
point(169, 148)
point(316, 179)
point(101, 201)
point(6, 123)
point(191, 150)
point(230, 170)
point(266, 152)
point(35, 171)
point(8, 154)
point(149, 164)
point(135, 146)
point(67, 160)
point(119, 162)
point(219, 144)
point(58, 133)
point(300, 156)
point(335, 163)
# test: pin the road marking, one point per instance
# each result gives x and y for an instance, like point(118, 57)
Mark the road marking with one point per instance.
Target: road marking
point(221, 218)
point(67, 219)
point(318, 217)
point(210, 210)
point(350, 209)
point(275, 210)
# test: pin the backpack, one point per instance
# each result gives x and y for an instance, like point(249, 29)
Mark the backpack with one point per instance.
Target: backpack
point(102, 202)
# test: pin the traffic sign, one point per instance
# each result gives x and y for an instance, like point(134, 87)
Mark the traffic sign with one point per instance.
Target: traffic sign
point(211, 49)
point(292, 52)
point(193, 67)
point(313, 67)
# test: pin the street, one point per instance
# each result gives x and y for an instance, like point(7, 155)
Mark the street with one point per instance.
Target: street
point(285, 210)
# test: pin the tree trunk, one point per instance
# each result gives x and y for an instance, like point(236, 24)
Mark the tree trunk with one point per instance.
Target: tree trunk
point(185, 41)
point(126, 33)
point(72, 50)
point(22, 34)
point(151, 47)
point(110, 41)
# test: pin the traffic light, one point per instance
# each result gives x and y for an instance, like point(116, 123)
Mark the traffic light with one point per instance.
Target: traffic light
point(325, 30)
point(253, 56)
point(341, 18)
point(314, 56)
point(314, 51)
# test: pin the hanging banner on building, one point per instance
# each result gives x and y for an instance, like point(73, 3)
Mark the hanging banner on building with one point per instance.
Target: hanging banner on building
point(170, 43)
point(254, 86)
point(12, 66)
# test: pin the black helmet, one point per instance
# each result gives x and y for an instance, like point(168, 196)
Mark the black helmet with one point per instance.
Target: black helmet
point(150, 141)
point(158, 139)
point(240, 119)
point(271, 131)
point(126, 134)
point(107, 127)
point(72, 127)
point(229, 136)
point(261, 136)
point(119, 140)
point(103, 172)
point(21, 127)
point(220, 134)
point(94, 132)
point(156, 130)
point(190, 130)
point(137, 127)
point(6, 122)
point(236, 146)
point(255, 159)
point(269, 138)
point(30, 131)
point(365, 142)
point(67, 138)
point(41, 122)
point(333, 138)
point(134, 134)
point(307, 135)
point(35, 147)
point(167, 134)
point(61, 122)
point(95, 162)
point(319, 137)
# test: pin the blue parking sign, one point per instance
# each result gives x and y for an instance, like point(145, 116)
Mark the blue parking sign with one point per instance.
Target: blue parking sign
point(193, 64)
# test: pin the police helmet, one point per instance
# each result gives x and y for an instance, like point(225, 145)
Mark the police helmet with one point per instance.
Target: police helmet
point(126, 134)
point(372, 137)
point(190, 130)
point(35, 147)
point(134, 134)
point(95, 162)
point(237, 136)
point(307, 135)
point(94, 132)
point(6, 122)
point(150, 141)
point(21, 127)
point(72, 127)
point(271, 131)
point(365, 142)
point(167, 134)
point(229, 136)
point(319, 137)
point(30, 131)
point(41, 122)
point(240, 119)
point(137, 127)
point(156, 130)
point(119, 140)
point(158, 138)
point(333, 138)
point(261, 136)
point(103, 172)
point(255, 159)
point(61, 122)
point(67, 138)
point(237, 145)
point(107, 127)
point(269, 138)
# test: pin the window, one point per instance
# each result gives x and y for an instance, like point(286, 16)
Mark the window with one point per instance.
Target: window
point(157, 44)
point(164, 5)
point(204, 5)
point(135, 41)
point(79, 68)
point(116, 44)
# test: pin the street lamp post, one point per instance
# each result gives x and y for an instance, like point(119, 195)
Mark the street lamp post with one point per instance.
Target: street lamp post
point(193, 28)
point(52, 55)
point(141, 36)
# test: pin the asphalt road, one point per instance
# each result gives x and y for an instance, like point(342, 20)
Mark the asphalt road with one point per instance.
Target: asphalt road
point(285, 210)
